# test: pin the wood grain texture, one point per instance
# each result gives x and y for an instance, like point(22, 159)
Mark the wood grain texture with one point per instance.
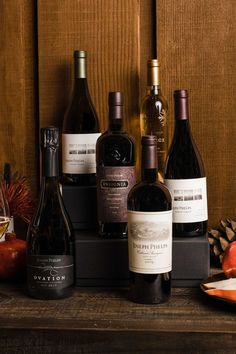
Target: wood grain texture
point(147, 44)
point(109, 31)
point(196, 45)
point(18, 102)
point(105, 321)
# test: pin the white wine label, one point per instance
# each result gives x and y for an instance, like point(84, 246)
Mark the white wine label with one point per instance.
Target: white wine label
point(50, 272)
point(79, 153)
point(113, 186)
point(150, 241)
point(189, 198)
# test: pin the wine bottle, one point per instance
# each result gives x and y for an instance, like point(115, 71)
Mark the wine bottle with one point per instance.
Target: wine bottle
point(115, 172)
point(185, 176)
point(80, 130)
point(150, 232)
point(50, 265)
point(153, 118)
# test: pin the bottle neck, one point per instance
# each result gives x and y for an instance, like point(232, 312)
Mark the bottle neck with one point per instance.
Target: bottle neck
point(182, 132)
point(81, 86)
point(149, 175)
point(182, 126)
point(115, 125)
point(153, 76)
point(49, 185)
point(149, 163)
point(80, 69)
point(154, 90)
point(80, 77)
point(181, 108)
point(50, 165)
point(115, 118)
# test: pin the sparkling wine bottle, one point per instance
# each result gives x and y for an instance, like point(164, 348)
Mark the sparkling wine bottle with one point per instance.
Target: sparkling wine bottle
point(150, 232)
point(80, 130)
point(153, 118)
point(115, 172)
point(185, 176)
point(50, 257)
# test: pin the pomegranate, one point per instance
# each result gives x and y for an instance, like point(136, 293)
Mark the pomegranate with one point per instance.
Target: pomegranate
point(12, 257)
point(229, 261)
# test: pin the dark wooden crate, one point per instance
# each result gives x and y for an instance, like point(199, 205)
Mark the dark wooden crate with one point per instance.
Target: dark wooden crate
point(104, 262)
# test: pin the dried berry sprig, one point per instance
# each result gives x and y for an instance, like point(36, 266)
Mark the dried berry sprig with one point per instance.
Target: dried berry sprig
point(18, 194)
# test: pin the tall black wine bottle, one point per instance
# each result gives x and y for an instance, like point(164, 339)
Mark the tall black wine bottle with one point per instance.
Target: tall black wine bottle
point(185, 176)
point(150, 232)
point(50, 258)
point(80, 130)
point(115, 172)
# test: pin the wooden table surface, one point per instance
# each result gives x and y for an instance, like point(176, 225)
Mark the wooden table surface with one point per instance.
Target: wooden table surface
point(105, 321)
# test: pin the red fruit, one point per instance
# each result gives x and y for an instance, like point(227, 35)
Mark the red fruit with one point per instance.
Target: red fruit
point(12, 257)
point(229, 261)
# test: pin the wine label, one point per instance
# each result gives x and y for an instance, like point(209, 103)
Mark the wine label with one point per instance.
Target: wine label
point(161, 133)
point(113, 186)
point(79, 153)
point(150, 241)
point(189, 198)
point(50, 272)
point(156, 125)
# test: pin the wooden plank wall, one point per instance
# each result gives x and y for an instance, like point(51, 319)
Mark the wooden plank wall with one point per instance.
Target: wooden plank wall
point(109, 31)
point(18, 88)
point(195, 42)
point(196, 45)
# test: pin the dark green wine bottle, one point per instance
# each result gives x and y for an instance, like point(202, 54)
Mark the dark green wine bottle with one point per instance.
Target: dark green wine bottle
point(150, 232)
point(50, 250)
point(80, 130)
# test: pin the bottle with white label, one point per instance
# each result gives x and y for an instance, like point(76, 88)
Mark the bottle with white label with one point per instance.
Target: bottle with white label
point(185, 176)
point(115, 172)
point(50, 247)
point(150, 232)
point(80, 130)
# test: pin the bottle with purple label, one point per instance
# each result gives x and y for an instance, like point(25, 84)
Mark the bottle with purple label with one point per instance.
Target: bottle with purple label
point(115, 156)
point(50, 256)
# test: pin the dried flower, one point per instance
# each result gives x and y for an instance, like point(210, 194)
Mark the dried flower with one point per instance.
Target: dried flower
point(18, 194)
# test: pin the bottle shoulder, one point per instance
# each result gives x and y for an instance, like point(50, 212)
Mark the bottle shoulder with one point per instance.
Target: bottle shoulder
point(115, 150)
point(155, 101)
point(114, 136)
point(149, 197)
point(184, 160)
point(155, 187)
point(50, 205)
point(80, 116)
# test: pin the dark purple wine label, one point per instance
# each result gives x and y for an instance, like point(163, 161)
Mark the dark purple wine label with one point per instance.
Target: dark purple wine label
point(50, 272)
point(113, 186)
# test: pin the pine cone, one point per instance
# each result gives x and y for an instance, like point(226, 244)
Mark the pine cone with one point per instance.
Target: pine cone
point(220, 238)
